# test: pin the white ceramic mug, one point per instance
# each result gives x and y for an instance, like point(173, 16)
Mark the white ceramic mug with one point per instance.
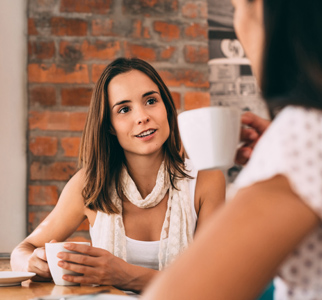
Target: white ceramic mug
point(52, 249)
point(210, 136)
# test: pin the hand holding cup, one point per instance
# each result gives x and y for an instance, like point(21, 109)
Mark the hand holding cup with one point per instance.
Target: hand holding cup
point(52, 249)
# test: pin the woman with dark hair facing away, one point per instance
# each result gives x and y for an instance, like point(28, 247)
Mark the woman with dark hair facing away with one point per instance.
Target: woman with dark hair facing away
point(271, 224)
point(142, 198)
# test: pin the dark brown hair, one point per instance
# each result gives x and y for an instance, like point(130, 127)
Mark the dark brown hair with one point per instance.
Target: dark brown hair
point(101, 155)
point(292, 59)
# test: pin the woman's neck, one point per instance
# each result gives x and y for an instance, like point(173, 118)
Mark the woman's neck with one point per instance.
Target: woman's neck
point(144, 170)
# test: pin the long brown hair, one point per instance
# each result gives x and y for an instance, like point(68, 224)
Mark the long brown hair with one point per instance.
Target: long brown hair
point(101, 155)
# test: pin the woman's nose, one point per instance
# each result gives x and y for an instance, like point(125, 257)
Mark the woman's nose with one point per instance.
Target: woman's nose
point(142, 116)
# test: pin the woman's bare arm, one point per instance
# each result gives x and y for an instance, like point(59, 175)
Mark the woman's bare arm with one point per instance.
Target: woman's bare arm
point(209, 194)
point(67, 215)
point(239, 250)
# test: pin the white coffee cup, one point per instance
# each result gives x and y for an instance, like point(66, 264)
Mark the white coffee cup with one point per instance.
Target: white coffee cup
point(52, 249)
point(210, 136)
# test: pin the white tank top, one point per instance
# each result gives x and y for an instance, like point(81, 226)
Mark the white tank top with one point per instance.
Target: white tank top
point(144, 253)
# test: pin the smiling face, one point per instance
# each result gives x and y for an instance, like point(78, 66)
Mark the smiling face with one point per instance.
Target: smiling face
point(138, 114)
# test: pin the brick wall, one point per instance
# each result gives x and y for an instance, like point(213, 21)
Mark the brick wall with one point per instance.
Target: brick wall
point(69, 43)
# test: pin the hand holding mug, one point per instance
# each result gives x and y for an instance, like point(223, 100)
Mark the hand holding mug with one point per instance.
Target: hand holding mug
point(57, 273)
point(254, 127)
point(97, 266)
point(37, 263)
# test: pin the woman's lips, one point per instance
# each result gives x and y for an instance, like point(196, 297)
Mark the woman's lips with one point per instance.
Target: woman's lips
point(146, 135)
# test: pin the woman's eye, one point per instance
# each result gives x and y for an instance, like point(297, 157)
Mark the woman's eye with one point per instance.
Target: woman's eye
point(123, 110)
point(151, 101)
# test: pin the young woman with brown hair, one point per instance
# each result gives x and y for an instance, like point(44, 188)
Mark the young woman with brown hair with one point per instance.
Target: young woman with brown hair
point(142, 198)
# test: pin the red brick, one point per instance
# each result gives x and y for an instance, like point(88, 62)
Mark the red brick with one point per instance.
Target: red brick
point(168, 32)
point(60, 171)
point(143, 52)
point(194, 100)
point(150, 7)
point(195, 10)
point(76, 96)
point(149, 3)
point(190, 10)
point(86, 6)
point(70, 146)
point(196, 54)
point(54, 74)
point(204, 10)
point(197, 30)
point(97, 70)
point(146, 33)
point(35, 218)
point(190, 78)
point(41, 49)
point(42, 95)
point(77, 121)
point(42, 195)
point(139, 31)
point(43, 146)
point(101, 50)
point(56, 120)
point(167, 53)
point(96, 50)
point(102, 27)
point(42, 6)
point(69, 27)
point(32, 30)
point(176, 99)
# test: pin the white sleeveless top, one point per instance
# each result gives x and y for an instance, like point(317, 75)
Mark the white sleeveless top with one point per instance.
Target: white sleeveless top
point(145, 253)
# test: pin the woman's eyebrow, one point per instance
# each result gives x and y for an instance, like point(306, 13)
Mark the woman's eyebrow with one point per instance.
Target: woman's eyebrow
point(149, 93)
point(127, 101)
point(121, 102)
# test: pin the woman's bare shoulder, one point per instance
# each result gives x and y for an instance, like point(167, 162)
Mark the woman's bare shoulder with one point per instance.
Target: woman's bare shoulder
point(210, 186)
point(210, 193)
point(210, 180)
point(72, 192)
point(77, 181)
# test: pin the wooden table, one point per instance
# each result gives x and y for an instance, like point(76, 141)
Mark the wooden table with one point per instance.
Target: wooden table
point(5, 264)
point(29, 289)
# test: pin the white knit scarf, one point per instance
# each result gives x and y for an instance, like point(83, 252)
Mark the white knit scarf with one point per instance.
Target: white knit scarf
point(178, 225)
